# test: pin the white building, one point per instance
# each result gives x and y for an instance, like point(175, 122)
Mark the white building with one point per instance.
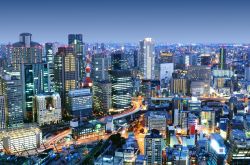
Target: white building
point(47, 108)
point(147, 58)
point(20, 139)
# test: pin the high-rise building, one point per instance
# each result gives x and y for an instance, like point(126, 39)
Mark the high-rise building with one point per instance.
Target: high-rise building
point(121, 89)
point(66, 77)
point(11, 89)
point(75, 41)
point(222, 59)
point(47, 108)
point(100, 66)
point(49, 51)
point(102, 97)
point(153, 145)
point(80, 102)
point(119, 61)
point(2, 113)
point(147, 58)
point(28, 60)
point(121, 80)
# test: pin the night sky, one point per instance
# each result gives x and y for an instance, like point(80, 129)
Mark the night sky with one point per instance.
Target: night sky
point(171, 21)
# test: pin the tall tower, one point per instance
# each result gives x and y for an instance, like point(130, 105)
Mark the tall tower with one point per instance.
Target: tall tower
point(121, 82)
point(27, 60)
point(49, 52)
point(66, 77)
point(11, 90)
point(75, 41)
point(222, 60)
point(147, 58)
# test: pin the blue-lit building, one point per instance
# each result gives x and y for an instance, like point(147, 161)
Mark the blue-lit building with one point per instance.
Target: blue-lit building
point(80, 102)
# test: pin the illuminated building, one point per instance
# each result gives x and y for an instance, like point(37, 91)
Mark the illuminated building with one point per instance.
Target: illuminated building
point(102, 96)
point(92, 128)
point(147, 59)
point(47, 108)
point(157, 120)
point(153, 146)
point(100, 67)
point(50, 62)
point(179, 86)
point(121, 89)
point(75, 41)
point(2, 113)
point(166, 57)
point(208, 119)
point(150, 88)
point(199, 88)
point(222, 58)
point(19, 140)
point(239, 152)
point(217, 148)
point(121, 80)
point(199, 73)
point(66, 77)
point(194, 105)
point(27, 59)
point(80, 102)
point(11, 89)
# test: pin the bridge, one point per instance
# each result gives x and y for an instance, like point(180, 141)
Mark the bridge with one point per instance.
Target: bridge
point(136, 108)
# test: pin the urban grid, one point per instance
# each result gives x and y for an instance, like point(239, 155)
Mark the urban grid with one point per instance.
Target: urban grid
point(110, 103)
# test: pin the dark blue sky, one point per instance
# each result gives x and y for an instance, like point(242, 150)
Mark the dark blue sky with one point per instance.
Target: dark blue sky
point(181, 21)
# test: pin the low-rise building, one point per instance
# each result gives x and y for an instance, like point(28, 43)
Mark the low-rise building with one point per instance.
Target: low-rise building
point(20, 139)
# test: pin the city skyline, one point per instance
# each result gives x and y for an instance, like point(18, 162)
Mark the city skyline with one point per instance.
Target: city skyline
point(128, 21)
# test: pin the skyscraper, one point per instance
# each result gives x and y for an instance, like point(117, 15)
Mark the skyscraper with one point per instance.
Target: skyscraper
point(11, 89)
point(147, 58)
point(49, 51)
point(121, 82)
point(75, 41)
point(27, 59)
point(66, 77)
point(222, 58)
point(100, 67)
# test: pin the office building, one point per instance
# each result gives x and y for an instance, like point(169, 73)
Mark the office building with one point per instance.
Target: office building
point(18, 140)
point(76, 42)
point(102, 97)
point(49, 51)
point(153, 146)
point(47, 108)
point(28, 60)
point(11, 90)
point(217, 148)
point(166, 71)
point(179, 86)
point(222, 59)
point(100, 67)
point(121, 89)
point(66, 77)
point(80, 102)
point(147, 58)
point(156, 120)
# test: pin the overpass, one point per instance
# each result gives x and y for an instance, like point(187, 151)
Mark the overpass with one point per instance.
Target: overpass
point(136, 108)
